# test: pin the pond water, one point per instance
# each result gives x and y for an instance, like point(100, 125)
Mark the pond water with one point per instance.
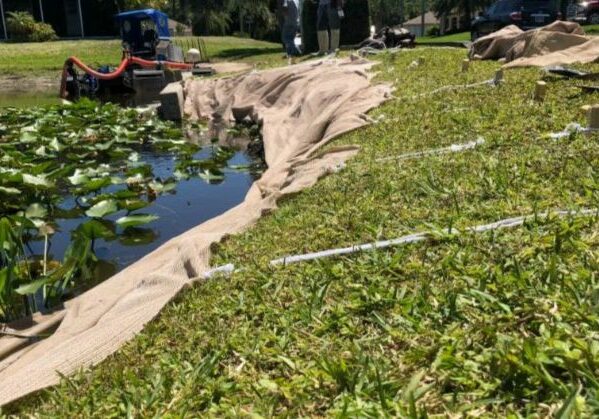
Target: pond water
point(192, 202)
point(26, 99)
point(22, 99)
point(87, 190)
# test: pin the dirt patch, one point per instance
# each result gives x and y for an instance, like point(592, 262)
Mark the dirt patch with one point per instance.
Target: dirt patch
point(30, 83)
point(44, 83)
point(230, 67)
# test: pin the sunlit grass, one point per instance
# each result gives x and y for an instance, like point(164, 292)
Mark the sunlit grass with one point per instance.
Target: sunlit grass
point(455, 37)
point(500, 324)
point(47, 58)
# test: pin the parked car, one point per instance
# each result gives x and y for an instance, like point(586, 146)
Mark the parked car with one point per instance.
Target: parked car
point(584, 12)
point(525, 14)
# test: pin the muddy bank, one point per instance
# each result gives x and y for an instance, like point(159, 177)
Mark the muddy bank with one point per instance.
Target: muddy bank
point(39, 83)
point(51, 81)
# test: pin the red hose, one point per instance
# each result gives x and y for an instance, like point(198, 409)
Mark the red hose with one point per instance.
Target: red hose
point(118, 72)
point(169, 64)
point(100, 76)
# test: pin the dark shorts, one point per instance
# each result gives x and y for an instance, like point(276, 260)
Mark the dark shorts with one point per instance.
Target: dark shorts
point(328, 18)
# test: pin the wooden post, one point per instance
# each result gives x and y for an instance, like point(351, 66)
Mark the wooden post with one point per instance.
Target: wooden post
point(240, 18)
point(593, 117)
point(498, 77)
point(465, 65)
point(3, 19)
point(540, 90)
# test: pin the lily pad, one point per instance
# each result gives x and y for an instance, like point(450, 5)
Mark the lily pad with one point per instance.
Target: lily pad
point(37, 181)
point(162, 187)
point(96, 184)
point(9, 191)
point(79, 178)
point(134, 236)
point(133, 204)
point(32, 287)
point(136, 220)
point(97, 229)
point(212, 176)
point(102, 209)
point(36, 210)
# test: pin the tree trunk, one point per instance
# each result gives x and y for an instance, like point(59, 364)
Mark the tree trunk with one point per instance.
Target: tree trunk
point(402, 14)
point(240, 18)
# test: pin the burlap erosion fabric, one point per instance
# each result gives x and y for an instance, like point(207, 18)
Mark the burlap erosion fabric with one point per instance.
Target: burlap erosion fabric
point(554, 44)
point(302, 108)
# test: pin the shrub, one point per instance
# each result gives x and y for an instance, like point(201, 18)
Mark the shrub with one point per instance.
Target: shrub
point(180, 30)
point(22, 27)
point(434, 31)
point(355, 27)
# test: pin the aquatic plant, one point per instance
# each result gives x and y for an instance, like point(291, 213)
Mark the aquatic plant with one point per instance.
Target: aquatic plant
point(81, 161)
point(502, 324)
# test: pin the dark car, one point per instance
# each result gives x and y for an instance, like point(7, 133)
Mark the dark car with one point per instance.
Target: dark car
point(584, 12)
point(522, 13)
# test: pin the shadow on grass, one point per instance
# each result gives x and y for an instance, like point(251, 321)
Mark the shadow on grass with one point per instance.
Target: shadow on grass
point(247, 52)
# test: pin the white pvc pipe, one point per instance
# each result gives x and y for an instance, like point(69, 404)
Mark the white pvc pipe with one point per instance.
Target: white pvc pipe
point(454, 148)
point(411, 238)
point(225, 269)
point(490, 82)
point(418, 237)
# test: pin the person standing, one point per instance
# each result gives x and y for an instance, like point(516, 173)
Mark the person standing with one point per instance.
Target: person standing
point(289, 22)
point(329, 15)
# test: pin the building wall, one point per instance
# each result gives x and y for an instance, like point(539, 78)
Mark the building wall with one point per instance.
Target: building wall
point(450, 23)
point(417, 29)
point(98, 18)
point(63, 15)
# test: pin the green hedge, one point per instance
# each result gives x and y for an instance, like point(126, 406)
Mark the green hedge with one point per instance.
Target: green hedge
point(355, 27)
point(22, 27)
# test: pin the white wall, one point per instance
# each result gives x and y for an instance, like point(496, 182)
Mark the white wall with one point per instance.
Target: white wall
point(415, 29)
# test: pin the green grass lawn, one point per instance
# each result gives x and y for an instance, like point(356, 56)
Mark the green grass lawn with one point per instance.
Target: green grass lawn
point(46, 59)
point(500, 324)
point(465, 36)
point(455, 37)
point(591, 29)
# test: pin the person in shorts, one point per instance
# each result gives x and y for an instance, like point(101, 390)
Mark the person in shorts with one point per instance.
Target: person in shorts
point(289, 21)
point(330, 13)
